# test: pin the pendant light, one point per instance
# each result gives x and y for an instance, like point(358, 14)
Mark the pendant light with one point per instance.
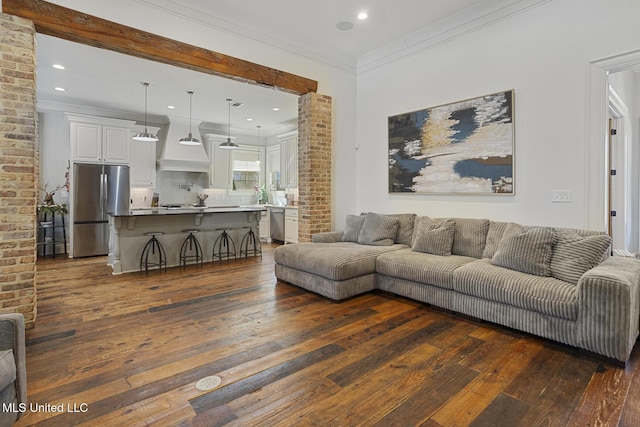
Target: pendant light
point(145, 136)
point(229, 145)
point(190, 140)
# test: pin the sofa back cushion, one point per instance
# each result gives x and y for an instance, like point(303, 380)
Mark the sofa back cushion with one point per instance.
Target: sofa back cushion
point(574, 253)
point(434, 236)
point(496, 230)
point(525, 249)
point(405, 228)
point(470, 237)
point(378, 230)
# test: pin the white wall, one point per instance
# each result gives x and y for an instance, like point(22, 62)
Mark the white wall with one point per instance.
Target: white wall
point(543, 55)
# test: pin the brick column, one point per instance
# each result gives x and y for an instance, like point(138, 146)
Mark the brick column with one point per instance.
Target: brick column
point(314, 165)
point(18, 167)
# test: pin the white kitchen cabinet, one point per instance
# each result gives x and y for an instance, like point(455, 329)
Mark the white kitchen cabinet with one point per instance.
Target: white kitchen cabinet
point(265, 233)
point(289, 159)
point(220, 158)
point(98, 139)
point(291, 225)
point(143, 160)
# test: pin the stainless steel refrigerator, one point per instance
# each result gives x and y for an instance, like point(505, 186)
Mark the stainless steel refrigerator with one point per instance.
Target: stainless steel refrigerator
point(98, 190)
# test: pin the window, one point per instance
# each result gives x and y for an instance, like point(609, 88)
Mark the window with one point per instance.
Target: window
point(247, 168)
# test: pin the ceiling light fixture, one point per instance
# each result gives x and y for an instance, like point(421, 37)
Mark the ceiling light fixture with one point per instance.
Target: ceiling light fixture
point(145, 136)
point(60, 89)
point(230, 145)
point(190, 140)
point(58, 66)
point(363, 15)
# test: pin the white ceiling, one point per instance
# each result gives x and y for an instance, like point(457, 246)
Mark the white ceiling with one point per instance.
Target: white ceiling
point(111, 81)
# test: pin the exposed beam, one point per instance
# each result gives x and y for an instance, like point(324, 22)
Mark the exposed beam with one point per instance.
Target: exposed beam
point(79, 27)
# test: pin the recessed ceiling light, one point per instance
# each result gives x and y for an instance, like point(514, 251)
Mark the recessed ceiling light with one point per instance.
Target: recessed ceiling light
point(363, 15)
point(58, 66)
point(171, 107)
point(344, 25)
point(275, 109)
point(249, 119)
point(60, 89)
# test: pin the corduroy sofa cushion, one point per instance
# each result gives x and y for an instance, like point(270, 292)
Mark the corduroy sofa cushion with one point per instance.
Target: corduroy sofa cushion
point(420, 267)
point(574, 254)
point(471, 237)
point(546, 295)
point(434, 236)
point(378, 230)
point(334, 261)
point(526, 249)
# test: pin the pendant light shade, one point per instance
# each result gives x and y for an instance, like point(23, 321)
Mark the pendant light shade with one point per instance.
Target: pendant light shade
point(229, 145)
point(190, 140)
point(145, 136)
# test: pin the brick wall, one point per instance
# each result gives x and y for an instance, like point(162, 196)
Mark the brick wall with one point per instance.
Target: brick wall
point(18, 167)
point(314, 165)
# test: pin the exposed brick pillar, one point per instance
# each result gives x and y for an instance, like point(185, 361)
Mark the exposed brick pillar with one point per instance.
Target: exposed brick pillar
point(18, 167)
point(314, 165)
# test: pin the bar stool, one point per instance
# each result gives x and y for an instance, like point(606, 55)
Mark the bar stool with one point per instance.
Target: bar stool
point(223, 247)
point(250, 244)
point(155, 249)
point(191, 249)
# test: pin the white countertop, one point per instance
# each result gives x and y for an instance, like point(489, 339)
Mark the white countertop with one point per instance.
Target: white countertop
point(192, 210)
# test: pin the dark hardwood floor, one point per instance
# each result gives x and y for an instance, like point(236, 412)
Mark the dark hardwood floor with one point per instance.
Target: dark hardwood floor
point(129, 349)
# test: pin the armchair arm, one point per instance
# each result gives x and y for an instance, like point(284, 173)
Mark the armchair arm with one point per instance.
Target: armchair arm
point(12, 338)
point(327, 237)
point(609, 307)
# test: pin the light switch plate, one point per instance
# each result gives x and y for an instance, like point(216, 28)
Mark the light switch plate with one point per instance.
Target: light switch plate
point(562, 196)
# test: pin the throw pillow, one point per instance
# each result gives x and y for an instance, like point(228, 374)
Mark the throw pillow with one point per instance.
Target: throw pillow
point(434, 237)
point(352, 228)
point(470, 237)
point(527, 250)
point(573, 255)
point(378, 230)
point(405, 228)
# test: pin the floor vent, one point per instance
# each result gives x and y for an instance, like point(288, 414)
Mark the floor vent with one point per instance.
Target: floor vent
point(208, 383)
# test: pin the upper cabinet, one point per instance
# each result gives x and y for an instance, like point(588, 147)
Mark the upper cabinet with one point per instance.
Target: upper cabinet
point(143, 160)
point(99, 140)
point(289, 159)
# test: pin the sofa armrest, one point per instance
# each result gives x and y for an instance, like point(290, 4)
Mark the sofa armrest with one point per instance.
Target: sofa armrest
point(12, 338)
point(609, 307)
point(327, 237)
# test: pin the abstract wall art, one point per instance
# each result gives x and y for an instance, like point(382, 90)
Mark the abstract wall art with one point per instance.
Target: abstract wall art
point(466, 147)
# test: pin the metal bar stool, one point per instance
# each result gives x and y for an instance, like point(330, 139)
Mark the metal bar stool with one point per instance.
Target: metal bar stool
point(250, 244)
point(191, 249)
point(223, 247)
point(155, 249)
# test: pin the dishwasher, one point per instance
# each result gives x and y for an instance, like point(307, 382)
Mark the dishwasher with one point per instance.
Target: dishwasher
point(276, 224)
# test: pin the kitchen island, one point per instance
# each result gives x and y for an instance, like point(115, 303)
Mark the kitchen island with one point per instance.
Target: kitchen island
point(127, 232)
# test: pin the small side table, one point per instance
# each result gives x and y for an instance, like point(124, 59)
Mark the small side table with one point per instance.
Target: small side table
point(48, 224)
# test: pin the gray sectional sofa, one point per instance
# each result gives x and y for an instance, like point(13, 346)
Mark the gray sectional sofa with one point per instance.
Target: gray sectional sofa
point(557, 283)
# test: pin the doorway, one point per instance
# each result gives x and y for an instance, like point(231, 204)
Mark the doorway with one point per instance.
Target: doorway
point(602, 105)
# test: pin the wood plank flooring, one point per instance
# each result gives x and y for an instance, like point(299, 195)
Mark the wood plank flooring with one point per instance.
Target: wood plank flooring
point(128, 350)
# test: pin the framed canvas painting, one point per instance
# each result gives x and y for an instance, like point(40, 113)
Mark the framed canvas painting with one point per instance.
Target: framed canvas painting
point(466, 147)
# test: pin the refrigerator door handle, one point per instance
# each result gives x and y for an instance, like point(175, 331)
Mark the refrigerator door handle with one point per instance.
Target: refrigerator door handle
point(103, 194)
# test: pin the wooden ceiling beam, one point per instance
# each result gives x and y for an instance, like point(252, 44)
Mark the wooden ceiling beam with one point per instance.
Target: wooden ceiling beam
point(79, 27)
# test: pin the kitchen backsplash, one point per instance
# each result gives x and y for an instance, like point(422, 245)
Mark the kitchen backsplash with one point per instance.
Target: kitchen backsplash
point(184, 187)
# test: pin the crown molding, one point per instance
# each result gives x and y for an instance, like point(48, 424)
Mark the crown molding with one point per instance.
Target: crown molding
point(470, 20)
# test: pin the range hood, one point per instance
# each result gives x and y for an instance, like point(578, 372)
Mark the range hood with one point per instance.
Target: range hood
point(178, 157)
